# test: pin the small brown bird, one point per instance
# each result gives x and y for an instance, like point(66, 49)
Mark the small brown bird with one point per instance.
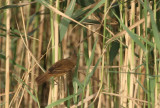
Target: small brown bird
point(60, 68)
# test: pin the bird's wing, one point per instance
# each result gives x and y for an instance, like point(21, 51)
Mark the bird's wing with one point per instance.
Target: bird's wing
point(61, 66)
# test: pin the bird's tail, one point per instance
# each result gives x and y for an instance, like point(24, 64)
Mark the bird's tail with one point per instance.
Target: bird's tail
point(42, 78)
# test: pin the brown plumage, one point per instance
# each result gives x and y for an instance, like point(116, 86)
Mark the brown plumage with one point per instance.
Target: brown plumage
point(60, 68)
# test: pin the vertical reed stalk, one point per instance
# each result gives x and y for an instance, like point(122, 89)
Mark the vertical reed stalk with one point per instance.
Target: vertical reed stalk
point(7, 77)
point(122, 77)
point(53, 48)
point(155, 62)
point(132, 57)
point(56, 35)
point(103, 56)
point(146, 55)
point(54, 94)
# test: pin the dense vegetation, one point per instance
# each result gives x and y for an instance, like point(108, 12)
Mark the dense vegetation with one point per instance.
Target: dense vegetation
point(117, 43)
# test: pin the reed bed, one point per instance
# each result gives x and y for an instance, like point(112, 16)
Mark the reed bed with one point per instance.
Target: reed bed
point(117, 43)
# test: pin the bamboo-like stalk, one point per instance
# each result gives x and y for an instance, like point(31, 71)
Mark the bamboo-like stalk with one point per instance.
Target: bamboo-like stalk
point(155, 62)
point(56, 36)
point(7, 75)
point(140, 52)
point(103, 59)
point(50, 95)
point(132, 56)
point(147, 55)
point(54, 94)
point(123, 77)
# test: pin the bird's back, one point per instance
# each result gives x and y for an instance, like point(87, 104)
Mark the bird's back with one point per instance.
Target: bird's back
point(62, 66)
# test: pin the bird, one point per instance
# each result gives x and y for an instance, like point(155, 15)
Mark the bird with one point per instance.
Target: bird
point(60, 68)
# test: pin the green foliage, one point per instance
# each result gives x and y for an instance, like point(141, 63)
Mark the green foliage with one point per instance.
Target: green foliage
point(65, 22)
point(132, 35)
point(113, 51)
